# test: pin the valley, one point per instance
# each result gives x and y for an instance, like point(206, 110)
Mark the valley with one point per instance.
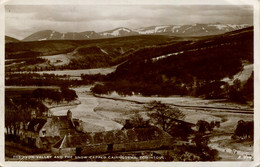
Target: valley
point(109, 112)
point(106, 83)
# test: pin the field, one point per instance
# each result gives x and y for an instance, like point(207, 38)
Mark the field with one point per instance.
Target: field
point(77, 73)
point(58, 60)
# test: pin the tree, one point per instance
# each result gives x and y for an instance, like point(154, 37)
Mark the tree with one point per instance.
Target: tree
point(164, 115)
point(138, 121)
point(68, 94)
point(201, 141)
point(204, 126)
point(181, 130)
point(245, 129)
point(202, 149)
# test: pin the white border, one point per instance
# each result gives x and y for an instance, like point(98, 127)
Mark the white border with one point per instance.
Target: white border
point(255, 3)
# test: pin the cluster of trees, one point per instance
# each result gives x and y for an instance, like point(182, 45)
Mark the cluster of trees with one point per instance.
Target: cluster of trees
point(19, 109)
point(166, 118)
point(204, 126)
point(201, 140)
point(126, 87)
point(22, 54)
point(210, 90)
point(202, 149)
point(47, 79)
point(244, 130)
point(55, 95)
point(242, 93)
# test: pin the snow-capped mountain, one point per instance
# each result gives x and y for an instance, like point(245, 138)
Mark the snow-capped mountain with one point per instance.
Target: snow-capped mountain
point(191, 30)
point(174, 30)
point(119, 32)
point(54, 35)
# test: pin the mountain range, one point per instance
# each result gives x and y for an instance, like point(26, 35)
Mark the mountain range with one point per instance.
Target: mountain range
point(174, 30)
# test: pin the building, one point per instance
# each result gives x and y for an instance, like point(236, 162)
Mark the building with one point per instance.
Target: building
point(112, 141)
point(43, 132)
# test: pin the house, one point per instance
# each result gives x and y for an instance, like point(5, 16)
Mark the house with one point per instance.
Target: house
point(43, 132)
point(112, 141)
point(29, 134)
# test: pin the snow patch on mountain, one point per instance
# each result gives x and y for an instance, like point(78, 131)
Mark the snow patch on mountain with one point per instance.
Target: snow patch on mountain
point(175, 28)
point(186, 29)
point(167, 55)
point(160, 28)
point(52, 34)
point(116, 32)
point(219, 26)
point(234, 26)
point(42, 39)
point(147, 31)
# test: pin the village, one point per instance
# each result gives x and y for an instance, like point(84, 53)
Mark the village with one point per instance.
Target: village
point(62, 136)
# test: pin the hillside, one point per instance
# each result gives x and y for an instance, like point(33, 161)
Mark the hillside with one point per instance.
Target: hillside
point(186, 68)
point(238, 42)
point(173, 30)
point(10, 39)
point(77, 54)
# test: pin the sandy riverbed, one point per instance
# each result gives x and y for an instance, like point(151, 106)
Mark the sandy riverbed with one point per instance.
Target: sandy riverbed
point(93, 121)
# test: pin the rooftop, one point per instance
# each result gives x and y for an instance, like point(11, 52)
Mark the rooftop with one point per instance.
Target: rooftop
point(112, 137)
point(36, 124)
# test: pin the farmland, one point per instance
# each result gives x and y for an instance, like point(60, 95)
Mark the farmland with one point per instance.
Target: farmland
point(77, 73)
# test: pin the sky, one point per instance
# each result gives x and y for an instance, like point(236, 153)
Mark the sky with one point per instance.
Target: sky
point(23, 20)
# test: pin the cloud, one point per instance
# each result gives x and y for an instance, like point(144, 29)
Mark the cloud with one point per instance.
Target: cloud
point(23, 20)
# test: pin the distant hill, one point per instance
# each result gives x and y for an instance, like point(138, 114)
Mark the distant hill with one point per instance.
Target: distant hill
point(10, 39)
point(172, 30)
point(54, 35)
point(78, 54)
point(191, 30)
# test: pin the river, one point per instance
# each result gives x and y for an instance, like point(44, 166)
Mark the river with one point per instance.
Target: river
point(92, 121)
